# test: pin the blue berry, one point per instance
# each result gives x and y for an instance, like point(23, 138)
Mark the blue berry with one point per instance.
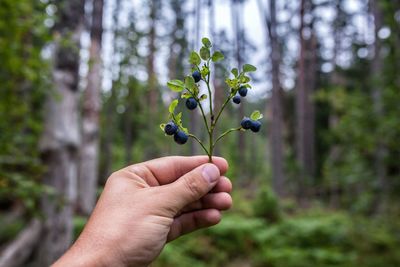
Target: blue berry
point(255, 126)
point(246, 123)
point(191, 103)
point(243, 91)
point(170, 128)
point(196, 76)
point(180, 137)
point(236, 99)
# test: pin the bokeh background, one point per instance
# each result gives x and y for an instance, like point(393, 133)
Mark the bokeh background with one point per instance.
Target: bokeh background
point(83, 91)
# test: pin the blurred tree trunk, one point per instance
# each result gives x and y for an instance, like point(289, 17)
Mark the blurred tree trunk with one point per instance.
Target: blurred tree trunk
point(377, 72)
point(152, 78)
point(216, 82)
point(106, 146)
point(88, 163)
point(304, 104)
point(60, 140)
point(276, 122)
point(132, 108)
point(194, 115)
point(237, 19)
point(337, 80)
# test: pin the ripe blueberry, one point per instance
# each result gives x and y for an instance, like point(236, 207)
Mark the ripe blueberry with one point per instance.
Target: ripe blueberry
point(246, 123)
point(236, 99)
point(243, 91)
point(191, 103)
point(196, 76)
point(255, 126)
point(180, 137)
point(170, 128)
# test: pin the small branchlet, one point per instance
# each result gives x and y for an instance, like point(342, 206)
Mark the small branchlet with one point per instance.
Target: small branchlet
point(189, 89)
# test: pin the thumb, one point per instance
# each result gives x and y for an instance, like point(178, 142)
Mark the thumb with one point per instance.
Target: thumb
point(192, 186)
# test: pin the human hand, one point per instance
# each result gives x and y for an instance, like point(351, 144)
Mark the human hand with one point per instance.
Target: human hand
point(145, 205)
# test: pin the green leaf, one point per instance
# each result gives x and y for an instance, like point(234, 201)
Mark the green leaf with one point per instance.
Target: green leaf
point(235, 72)
point(217, 56)
point(194, 58)
point(249, 68)
point(189, 82)
point(162, 126)
point(172, 106)
point(176, 85)
point(203, 97)
point(204, 53)
point(256, 115)
point(178, 119)
point(206, 42)
point(244, 79)
point(204, 71)
point(186, 95)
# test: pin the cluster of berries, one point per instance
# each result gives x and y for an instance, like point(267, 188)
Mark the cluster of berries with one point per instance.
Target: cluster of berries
point(191, 102)
point(180, 137)
point(253, 125)
point(242, 93)
point(171, 128)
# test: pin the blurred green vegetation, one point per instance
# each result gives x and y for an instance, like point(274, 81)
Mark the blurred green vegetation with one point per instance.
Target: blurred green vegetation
point(314, 237)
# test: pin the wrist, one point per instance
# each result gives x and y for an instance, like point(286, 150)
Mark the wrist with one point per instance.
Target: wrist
point(81, 255)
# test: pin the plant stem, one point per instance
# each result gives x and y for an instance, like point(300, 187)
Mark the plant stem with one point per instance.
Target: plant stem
point(220, 111)
point(225, 133)
point(211, 129)
point(201, 109)
point(201, 143)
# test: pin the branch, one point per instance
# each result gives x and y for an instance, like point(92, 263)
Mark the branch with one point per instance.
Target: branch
point(17, 252)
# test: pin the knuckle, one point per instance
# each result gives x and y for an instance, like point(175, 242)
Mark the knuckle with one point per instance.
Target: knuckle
point(193, 187)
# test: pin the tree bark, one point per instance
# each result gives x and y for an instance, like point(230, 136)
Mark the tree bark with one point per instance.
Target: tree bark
point(276, 122)
point(88, 163)
point(152, 79)
point(304, 105)
point(376, 69)
point(17, 252)
point(106, 146)
point(237, 19)
point(60, 140)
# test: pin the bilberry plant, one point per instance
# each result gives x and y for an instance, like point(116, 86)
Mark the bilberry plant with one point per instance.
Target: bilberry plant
point(189, 88)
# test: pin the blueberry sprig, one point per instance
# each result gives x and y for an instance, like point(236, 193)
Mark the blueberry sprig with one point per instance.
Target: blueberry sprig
point(189, 89)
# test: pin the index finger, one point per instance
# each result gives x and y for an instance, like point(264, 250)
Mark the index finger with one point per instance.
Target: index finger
point(168, 169)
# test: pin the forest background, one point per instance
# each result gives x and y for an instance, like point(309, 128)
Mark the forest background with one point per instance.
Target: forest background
point(83, 91)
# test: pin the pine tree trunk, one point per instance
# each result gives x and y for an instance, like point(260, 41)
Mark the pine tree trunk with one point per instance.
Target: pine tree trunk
point(376, 69)
point(276, 124)
point(304, 105)
point(88, 163)
point(152, 79)
point(106, 145)
point(60, 140)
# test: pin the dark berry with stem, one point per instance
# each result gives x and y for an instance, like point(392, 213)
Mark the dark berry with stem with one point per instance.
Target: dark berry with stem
point(246, 123)
point(180, 137)
point(236, 99)
point(255, 126)
point(243, 91)
point(191, 103)
point(170, 128)
point(196, 76)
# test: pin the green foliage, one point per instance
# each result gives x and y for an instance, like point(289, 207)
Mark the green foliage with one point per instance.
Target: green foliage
point(314, 238)
point(24, 85)
point(266, 205)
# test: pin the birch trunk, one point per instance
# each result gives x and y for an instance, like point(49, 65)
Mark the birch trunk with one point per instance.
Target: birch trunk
point(88, 163)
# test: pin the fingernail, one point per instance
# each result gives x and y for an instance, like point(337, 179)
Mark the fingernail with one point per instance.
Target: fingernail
point(210, 173)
